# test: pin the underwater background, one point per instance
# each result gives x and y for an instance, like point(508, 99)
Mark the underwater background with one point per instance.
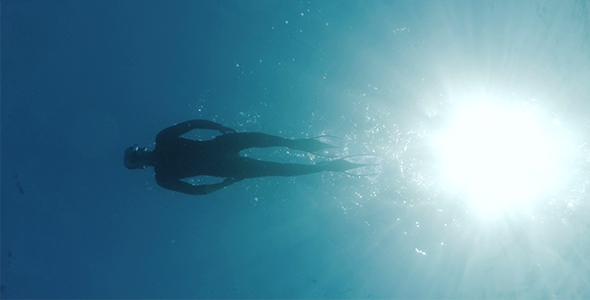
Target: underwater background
point(83, 80)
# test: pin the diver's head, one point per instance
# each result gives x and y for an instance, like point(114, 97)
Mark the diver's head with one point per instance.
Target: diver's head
point(137, 158)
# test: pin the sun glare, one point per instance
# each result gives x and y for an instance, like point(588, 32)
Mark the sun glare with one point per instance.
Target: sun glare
point(499, 157)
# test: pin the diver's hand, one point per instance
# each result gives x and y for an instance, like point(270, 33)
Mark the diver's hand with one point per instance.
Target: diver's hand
point(225, 130)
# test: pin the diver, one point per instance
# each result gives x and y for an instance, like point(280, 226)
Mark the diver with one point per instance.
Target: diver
point(175, 157)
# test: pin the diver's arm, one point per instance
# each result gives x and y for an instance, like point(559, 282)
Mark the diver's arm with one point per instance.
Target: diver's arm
point(187, 188)
point(184, 127)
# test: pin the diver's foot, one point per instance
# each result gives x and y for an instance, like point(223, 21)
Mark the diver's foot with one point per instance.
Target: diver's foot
point(366, 165)
point(358, 165)
point(330, 146)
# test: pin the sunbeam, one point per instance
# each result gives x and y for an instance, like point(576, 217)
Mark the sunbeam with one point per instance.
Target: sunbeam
point(501, 156)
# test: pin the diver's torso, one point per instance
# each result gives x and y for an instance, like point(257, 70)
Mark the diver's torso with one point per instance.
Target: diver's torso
point(178, 158)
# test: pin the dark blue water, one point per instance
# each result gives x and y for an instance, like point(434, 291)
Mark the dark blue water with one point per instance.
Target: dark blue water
point(83, 80)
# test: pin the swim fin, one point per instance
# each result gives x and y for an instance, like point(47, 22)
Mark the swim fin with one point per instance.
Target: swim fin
point(367, 165)
point(334, 146)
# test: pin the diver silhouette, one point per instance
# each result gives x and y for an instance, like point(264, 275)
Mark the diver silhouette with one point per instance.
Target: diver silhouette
point(175, 157)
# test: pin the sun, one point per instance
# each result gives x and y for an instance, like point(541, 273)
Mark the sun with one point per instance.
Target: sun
point(500, 156)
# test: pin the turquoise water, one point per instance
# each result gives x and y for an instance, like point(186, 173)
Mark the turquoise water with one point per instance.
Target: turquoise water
point(83, 80)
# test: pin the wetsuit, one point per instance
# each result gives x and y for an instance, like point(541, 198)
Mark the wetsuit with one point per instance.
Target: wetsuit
point(176, 157)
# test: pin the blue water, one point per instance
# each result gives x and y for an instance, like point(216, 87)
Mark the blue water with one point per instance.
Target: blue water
point(83, 80)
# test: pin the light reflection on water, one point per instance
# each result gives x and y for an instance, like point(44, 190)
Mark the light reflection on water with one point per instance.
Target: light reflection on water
point(538, 250)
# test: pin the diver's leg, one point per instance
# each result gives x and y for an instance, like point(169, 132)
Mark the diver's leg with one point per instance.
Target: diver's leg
point(243, 167)
point(236, 142)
